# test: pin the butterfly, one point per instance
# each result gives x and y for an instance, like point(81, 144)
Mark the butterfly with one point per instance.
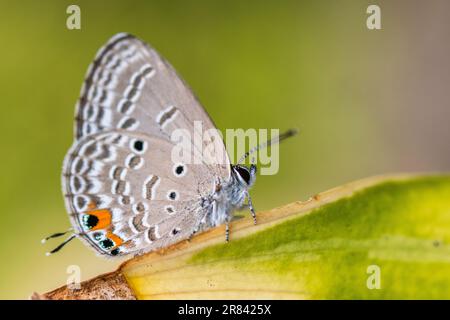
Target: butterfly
point(122, 191)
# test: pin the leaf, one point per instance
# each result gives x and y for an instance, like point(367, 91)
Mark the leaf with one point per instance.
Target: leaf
point(388, 231)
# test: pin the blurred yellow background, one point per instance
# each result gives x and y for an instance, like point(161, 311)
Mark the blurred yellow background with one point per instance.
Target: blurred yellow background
point(367, 101)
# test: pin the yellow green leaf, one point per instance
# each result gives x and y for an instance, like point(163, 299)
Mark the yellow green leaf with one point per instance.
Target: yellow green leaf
point(385, 237)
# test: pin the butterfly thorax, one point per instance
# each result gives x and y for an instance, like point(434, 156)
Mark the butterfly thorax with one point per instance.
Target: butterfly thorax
point(229, 196)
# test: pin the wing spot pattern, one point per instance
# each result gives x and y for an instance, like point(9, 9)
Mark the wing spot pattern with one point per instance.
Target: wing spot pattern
point(136, 223)
point(151, 234)
point(150, 186)
point(166, 116)
point(170, 209)
point(134, 162)
point(128, 123)
point(133, 90)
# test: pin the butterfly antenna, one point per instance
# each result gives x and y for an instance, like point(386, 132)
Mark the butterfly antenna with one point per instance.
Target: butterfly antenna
point(56, 235)
point(289, 133)
point(61, 245)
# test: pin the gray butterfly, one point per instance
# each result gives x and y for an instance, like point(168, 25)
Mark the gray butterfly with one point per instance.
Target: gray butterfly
point(122, 191)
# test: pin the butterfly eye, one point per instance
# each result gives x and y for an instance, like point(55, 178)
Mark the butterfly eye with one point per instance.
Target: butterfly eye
point(243, 173)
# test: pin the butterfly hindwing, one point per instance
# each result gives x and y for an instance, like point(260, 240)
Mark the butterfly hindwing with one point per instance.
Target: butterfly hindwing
point(124, 195)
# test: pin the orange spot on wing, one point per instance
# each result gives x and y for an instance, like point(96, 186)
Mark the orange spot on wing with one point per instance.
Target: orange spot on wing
point(117, 240)
point(104, 222)
point(104, 216)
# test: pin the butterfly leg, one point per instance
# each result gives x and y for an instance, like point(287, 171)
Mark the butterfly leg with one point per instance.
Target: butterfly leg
point(227, 231)
point(250, 206)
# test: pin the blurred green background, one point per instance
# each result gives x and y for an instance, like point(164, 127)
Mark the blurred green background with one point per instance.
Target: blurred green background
point(367, 102)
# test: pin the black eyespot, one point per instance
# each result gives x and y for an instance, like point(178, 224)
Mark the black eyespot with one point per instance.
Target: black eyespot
point(115, 252)
point(138, 145)
point(172, 195)
point(90, 221)
point(179, 170)
point(243, 173)
point(107, 243)
point(175, 231)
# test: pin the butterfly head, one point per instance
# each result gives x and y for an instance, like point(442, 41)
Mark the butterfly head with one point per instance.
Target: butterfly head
point(246, 176)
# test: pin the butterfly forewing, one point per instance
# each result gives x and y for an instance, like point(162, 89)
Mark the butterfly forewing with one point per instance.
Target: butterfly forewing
point(130, 86)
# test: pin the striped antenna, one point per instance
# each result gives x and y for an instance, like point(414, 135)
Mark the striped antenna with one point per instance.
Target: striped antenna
point(289, 133)
point(56, 235)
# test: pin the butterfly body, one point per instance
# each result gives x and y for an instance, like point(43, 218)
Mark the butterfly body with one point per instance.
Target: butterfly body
point(124, 190)
point(229, 197)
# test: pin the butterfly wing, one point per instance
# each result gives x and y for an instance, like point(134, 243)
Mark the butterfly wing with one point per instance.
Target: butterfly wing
point(129, 86)
point(123, 191)
point(123, 197)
